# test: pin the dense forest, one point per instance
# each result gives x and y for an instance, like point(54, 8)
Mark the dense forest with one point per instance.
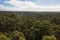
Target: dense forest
point(29, 26)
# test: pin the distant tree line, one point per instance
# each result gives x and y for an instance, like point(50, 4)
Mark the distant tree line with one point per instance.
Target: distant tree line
point(15, 26)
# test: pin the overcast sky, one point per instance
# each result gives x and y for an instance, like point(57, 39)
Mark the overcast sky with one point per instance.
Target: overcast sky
point(29, 5)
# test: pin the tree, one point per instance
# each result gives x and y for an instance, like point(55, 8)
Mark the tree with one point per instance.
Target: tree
point(16, 35)
point(49, 37)
point(57, 31)
point(45, 28)
point(4, 37)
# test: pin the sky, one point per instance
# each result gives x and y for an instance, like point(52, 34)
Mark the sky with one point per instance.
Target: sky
point(29, 5)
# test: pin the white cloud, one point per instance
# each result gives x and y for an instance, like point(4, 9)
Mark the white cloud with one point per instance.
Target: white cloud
point(28, 6)
point(2, 7)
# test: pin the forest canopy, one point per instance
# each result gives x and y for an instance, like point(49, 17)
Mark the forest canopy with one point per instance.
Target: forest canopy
point(15, 26)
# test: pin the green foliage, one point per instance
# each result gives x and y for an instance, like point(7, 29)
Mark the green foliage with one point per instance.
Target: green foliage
point(33, 27)
point(46, 27)
point(4, 37)
point(16, 35)
point(49, 38)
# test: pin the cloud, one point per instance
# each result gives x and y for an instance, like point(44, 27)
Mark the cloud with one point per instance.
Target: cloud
point(1, 7)
point(28, 6)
